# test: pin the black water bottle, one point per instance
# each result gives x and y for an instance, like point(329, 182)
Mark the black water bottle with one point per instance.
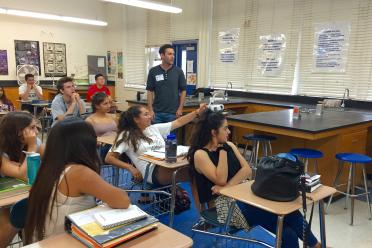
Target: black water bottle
point(171, 148)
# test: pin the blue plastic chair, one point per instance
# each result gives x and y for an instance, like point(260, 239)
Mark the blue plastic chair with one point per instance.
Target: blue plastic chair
point(353, 159)
point(305, 154)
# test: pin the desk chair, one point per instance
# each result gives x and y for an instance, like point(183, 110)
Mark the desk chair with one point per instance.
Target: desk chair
point(208, 221)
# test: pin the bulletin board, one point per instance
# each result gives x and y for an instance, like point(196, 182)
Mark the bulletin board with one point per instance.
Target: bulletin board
point(96, 64)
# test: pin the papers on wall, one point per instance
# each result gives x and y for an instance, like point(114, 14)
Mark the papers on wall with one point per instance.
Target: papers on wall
point(228, 45)
point(271, 54)
point(101, 62)
point(331, 47)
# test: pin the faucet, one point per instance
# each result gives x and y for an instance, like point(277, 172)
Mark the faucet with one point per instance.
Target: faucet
point(227, 85)
point(345, 96)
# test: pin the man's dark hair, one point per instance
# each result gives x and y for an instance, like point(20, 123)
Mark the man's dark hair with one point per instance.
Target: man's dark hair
point(98, 75)
point(27, 76)
point(163, 48)
point(62, 81)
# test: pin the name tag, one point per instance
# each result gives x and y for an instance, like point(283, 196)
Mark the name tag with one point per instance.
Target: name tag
point(159, 77)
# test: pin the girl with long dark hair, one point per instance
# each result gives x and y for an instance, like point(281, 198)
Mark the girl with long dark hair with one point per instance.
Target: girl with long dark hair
point(136, 135)
point(217, 163)
point(18, 133)
point(68, 180)
point(5, 103)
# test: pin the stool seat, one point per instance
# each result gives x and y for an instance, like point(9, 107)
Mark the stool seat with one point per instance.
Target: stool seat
point(307, 153)
point(354, 158)
point(259, 137)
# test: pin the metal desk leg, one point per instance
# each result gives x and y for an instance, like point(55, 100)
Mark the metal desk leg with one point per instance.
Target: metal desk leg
point(144, 184)
point(229, 215)
point(279, 231)
point(173, 199)
point(322, 224)
point(35, 111)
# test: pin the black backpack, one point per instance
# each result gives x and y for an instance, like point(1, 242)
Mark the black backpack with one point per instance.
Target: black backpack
point(278, 178)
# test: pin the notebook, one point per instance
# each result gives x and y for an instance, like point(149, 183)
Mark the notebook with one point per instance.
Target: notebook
point(108, 217)
point(84, 227)
point(160, 153)
point(11, 187)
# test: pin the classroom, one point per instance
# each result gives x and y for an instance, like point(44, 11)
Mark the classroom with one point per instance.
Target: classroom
point(185, 123)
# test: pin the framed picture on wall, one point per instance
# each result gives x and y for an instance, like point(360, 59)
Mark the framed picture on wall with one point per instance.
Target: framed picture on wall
point(54, 59)
point(3, 62)
point(27, 53)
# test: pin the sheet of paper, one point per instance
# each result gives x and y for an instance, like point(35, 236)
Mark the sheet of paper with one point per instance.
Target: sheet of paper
point(190, 66)
point(101, 62)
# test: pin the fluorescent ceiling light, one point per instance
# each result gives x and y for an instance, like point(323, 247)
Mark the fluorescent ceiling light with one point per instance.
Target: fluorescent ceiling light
point(51, 17)
point(148, 5)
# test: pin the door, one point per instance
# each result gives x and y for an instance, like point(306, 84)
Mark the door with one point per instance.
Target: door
point(186, 57)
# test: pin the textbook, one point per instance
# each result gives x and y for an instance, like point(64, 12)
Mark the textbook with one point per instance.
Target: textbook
point(84, 227)
point(160, 153)
point(109, 217)
point(12, 186)
point(311, 177)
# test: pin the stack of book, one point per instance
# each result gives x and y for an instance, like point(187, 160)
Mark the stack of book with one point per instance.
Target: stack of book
point(11, 187)
point(103, 226)
point(312, 182)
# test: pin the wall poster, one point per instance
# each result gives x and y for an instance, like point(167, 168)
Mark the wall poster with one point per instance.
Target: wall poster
point(228, 45)
point(27, 53)
point(54, 59)
point(331, 47)
point(271, 54)
point(120, 65)
point(3, 62)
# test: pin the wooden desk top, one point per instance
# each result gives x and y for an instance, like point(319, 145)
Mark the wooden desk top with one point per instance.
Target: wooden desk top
point(242, 192)
point(109, 139)
point(8, 201)
point(181, 162)
point(163, 237)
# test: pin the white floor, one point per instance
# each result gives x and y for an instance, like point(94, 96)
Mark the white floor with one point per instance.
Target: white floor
point(338, 231)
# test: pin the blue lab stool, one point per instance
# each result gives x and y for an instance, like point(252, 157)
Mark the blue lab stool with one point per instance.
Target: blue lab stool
point(305, 154)
point(353, 159)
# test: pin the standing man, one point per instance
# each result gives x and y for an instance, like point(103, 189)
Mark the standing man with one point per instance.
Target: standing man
point(167, 82)
point(29, 92)
point(68, 102)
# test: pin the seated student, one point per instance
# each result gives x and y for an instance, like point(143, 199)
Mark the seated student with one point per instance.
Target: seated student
point(18, 133)
point(104, 124)
point(136, 135)
point(217, 163)
point(99, 86)
point(30, 91)
point(5, 103)
point(67, 103)
point(68, 180)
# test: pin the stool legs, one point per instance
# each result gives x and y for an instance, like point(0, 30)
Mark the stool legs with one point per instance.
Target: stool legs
point(335, 183)
point(366, 189)
point(352, 196)
point(348, 186)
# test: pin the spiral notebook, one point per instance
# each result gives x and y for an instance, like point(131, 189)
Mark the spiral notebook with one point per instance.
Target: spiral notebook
point(109, 217)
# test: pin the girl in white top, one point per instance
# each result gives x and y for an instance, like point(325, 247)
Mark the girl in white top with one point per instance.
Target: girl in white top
point(18, 133)
point(136, 135)
point(68, 180)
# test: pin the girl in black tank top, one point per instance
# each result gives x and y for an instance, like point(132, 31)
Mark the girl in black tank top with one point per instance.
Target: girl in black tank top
point(216, 163)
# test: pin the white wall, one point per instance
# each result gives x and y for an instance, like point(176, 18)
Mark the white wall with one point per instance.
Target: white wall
point(81, 40)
